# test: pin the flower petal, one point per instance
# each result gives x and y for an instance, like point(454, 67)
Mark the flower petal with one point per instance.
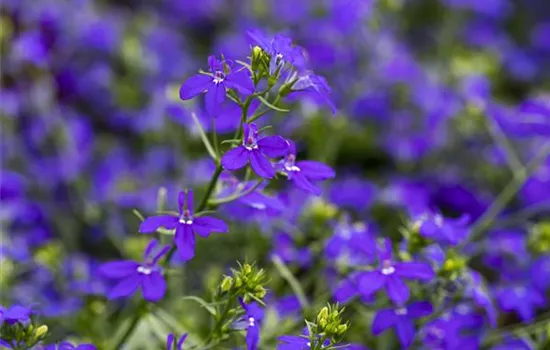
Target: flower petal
point(370, 282)
point(153, 286)
point(414, 270)
point(419, 309)
point(240, 81)
point(405, 331)
point(383, 320)
point(185, 241)
point(203, 225)
point(315, 170)
point(125, 288)
point(273, 146)
point(252, 337)
point(152, 223)
point(303, 183)
point(118, 269)
point(169, 341)
point(398, 292)
point(261, 166)
point(235, 158)
point(214, 99)
point(195, 85)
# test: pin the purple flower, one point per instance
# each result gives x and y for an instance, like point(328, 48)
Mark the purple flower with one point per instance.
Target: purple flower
point(401, 320)
point(216, 85)
point(444, 230)
point(132, 275)
point(316, 84)
point(454, 331)
point(15, 314)
point(171, 342)
point(185, 224)
point(285, 248)
point(252, 319)
point(68, 346)
point(255, 150)
point(303, 173)
point(280, 49)
point(390, 276)
point(524, 299)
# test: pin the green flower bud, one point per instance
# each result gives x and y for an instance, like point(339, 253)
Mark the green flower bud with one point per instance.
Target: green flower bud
point(342, 329)
point(226, 284)
point(323, 314)
point(40, 332)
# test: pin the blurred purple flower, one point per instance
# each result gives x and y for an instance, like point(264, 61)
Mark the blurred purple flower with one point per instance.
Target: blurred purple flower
point(390, 275)
point(304, 173)
point(132, 275)
point(171, 343)
point(402, 320)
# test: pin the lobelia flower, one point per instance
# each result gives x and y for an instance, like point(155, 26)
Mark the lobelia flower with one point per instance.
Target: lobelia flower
point(316, 84)
point(453, 331)
point(443, 230)
point(68, 346)
point(401, 319)
point(15, 314)
point(216, 85)
point(280, 49)
point(255, 150)
point(390, 275)
point(293, 342)
point(304, 173)
point(171, 343)
point(132, 275)
point(185, 224)
point(523, 299)
point(253, 317)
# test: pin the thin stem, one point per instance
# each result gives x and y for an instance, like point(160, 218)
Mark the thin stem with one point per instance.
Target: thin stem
point(236, 196)
point(497, 334)
point(514, 163)
point(292, 281)
point(507, 194)
point(142, 304)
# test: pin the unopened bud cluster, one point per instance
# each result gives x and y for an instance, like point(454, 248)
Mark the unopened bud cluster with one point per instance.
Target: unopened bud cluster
point(247, 282)
point(330, 323)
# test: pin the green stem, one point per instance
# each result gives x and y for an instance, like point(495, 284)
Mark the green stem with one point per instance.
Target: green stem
point(507, 194)
point(142, 304)
point(497, 334)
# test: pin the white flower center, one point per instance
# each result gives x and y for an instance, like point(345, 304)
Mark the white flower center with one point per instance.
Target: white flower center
point(251, 322)
point(144, 270)
point(292, 168)
point(186, 221)
point(438, 220)
point(401, 311)
point(388, 270)
point(218, 77)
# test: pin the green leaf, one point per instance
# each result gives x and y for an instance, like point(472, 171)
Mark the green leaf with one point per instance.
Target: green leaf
point(232, 141)
point(201, 302)
point(292, 281)
point(265, 128)
point(204, 138)
point(273, 107)
point(138, 214)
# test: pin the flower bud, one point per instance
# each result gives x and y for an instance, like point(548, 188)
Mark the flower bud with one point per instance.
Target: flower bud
point(226, 284)
point(40, 332)
point(323, 314)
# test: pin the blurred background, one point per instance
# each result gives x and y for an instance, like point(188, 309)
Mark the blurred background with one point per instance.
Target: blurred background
point(429, 94)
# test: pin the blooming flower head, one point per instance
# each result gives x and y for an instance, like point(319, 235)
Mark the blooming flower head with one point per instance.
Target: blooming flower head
point(185, 224)
point(216, 84)
point(390, 274)
point(171, 343)
point(132, 275)
point(256, 150)
point(304, 173)
point(280, 49)
point(402, 320)
point(15, 314)
point(444, 230)
point(252, 319)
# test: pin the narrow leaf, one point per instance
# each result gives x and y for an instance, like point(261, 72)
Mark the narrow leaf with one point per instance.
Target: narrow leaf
point(201, 302)
point(273, 107)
